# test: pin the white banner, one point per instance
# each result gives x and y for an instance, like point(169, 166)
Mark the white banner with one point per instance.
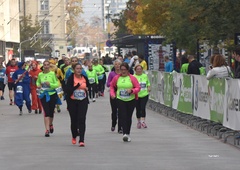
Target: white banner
point(200, 97)
point(161, 87)
point(231, 118)
point(177, 82)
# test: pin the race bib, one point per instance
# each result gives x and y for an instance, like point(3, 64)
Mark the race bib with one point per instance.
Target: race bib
point(91, 80)
point(45, 86)
point(79, 94)
point(143, 85)
point(59, 90)
point(100, 77)
point(2, 75)
point(19, 76)
point(124, 94)
point(19, 89)
point(11, 73)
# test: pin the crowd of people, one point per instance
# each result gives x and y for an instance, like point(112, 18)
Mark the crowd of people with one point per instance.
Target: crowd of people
point(44, 86)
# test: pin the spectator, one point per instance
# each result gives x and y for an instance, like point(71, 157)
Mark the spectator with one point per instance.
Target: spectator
point(219, 69)
point(236, 56)
point(168, 65)
point(185, 64)
point(194, 65)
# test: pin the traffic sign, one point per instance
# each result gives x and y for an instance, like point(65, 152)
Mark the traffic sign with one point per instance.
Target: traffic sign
point(109, 43)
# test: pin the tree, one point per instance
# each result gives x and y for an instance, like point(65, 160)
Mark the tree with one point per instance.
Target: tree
point(27, 32)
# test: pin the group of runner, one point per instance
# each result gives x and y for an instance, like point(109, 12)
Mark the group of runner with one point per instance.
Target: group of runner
point(77, 84)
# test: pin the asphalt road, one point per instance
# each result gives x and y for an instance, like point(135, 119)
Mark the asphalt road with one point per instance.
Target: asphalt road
point(164, 145)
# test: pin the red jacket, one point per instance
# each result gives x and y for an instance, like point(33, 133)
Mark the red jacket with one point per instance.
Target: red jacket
point(34, 75)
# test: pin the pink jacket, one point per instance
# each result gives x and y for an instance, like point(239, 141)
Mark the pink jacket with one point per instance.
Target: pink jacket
point(136, 86)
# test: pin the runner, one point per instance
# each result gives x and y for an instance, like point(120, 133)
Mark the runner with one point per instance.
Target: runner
point(142, 96)
point(93, 82)
point(125, 88)
point(22, 87)
point(113, 102)
point(9, 72)
point(100, 73)
point(77, 99)
point(2, 80)
point(33, 73)
point(47, 82)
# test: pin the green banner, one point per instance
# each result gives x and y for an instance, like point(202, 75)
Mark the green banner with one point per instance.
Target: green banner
point(168, 79)
point(186, 99)
point(216, 92)
point(153, 78)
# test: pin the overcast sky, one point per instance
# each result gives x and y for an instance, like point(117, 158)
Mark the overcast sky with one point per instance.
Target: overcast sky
point(91, 8)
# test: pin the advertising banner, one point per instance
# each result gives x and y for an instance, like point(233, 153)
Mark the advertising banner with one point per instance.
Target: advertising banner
point(200, 96)
point(216, 92)
point(167, 84)
point(161, 87)
point(232, 104)
point(185, 103)
point(176, 87)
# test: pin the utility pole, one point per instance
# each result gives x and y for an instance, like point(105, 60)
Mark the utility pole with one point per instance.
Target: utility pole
point(20, 48)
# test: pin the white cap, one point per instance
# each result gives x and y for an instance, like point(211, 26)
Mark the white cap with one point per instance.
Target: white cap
point(135, 57)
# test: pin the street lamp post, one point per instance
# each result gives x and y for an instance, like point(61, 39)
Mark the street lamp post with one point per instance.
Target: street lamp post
point(20, 48)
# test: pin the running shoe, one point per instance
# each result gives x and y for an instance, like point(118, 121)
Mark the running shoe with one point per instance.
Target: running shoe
point(102, 94)
point(139, 125)
point(47, 133)
point(93, 100)
point(74, 141)
point(81, 144)
point(144, 125)
point(126, 138)
point(120, 131)
point(36, 112)
point(29, 111)
point(20, 113)
point(11, 103)
point(112, 129)
point(58, 109)
point(51, 129)
point(2, 98)
point(40, 112)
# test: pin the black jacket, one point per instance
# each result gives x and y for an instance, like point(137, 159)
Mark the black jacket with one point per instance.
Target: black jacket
point(193, 67)
point(69, 88)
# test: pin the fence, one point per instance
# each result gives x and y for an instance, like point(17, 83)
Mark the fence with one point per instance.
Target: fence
point(216, 100)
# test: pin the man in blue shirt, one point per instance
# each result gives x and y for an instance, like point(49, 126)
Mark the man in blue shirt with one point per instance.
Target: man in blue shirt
point(168, 65)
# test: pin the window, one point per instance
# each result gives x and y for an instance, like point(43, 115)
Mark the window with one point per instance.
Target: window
point(45, 27)
point(44, 5)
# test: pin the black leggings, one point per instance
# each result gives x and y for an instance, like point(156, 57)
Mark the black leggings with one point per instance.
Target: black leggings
point(125, 110)
point(92, 90)
point(141, 107)
point(100, 86)
point(48, 107)
point(78, 111)
point(114, 114)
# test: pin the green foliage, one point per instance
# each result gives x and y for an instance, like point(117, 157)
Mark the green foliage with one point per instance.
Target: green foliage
point(187, 21)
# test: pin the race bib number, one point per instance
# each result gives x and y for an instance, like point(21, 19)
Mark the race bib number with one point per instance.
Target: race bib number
point(143, 86)
point(2, 75)
point(45, 86)
point(11, 73)
point(79, 94)
point(100, 77)
point(19, 77)
point(91, 80)
point(19, 89)
point(59, 90)
point(124, 94)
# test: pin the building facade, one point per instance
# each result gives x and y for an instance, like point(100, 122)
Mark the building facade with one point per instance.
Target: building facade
point(111, 7)
point(52, 16)
point(9, 28)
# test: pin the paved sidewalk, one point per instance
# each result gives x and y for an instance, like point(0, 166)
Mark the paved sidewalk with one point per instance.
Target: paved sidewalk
point(164, 145)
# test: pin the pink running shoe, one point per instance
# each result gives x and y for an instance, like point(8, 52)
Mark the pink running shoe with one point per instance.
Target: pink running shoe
point(139, 125)
point(144, 125)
